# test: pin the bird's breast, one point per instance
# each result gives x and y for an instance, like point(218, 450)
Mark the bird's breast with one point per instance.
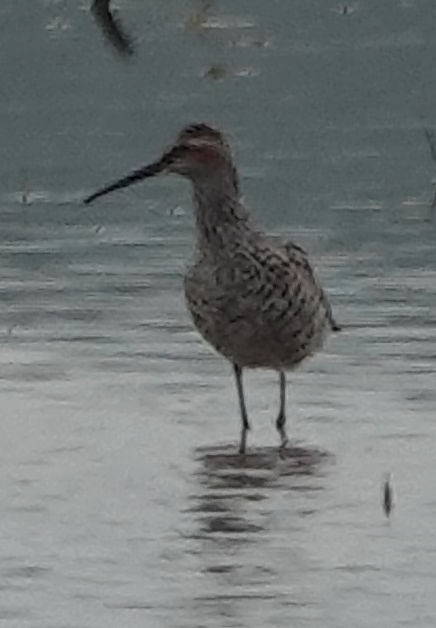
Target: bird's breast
point(256, 316)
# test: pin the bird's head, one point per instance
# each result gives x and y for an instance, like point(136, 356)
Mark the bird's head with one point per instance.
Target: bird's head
point(200, 152)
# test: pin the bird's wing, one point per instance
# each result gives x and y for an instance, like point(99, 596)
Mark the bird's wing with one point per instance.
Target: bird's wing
point(299, 256)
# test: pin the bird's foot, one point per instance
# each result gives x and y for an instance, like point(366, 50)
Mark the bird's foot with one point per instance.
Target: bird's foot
point(243, 441)
point(280, 425)
point(284, 442)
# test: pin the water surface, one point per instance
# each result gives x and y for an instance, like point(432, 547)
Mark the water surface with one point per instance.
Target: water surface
point(123, 500)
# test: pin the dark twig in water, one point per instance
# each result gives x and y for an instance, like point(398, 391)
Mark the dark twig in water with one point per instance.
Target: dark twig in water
point(433, 202)
point(112, 27)
point(345, 9)
point(431, 141)
point(25, 190)
point(388, 495)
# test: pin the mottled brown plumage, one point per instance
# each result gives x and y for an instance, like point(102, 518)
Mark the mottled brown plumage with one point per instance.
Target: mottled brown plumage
point(253, 297)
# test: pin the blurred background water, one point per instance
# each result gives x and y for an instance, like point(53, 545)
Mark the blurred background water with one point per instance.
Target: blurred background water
point(123, 502)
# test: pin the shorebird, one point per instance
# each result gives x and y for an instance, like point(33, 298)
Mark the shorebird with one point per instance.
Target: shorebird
point(253, 297)
point(112, 27)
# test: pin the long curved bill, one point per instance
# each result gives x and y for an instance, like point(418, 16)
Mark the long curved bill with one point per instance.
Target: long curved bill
point(137, 175)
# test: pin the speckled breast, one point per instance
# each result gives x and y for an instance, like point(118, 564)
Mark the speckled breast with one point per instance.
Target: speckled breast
point(258, 318)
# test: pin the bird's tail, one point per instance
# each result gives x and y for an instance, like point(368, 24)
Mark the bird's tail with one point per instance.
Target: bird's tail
point(334, 325)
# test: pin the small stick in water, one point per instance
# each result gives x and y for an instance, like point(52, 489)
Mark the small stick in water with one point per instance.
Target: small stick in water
point(112, 27)
point(431, 141)
point(387, 494)
point(25, 190)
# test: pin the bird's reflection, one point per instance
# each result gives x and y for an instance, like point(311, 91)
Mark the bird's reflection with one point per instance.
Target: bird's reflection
point(233, 508)
point(228, 482)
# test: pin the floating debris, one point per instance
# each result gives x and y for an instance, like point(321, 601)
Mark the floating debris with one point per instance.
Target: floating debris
point(345, 9)
point(201, 20)
point(176, 211)
point(230, 23)
point(216, 72)
point(246, 72)
point(250, 42)
point(431, 141)
point(112, 27)
point(198, 20)
point(387, 494)
point(433, 202)
point(220, 71)
point(58, 25)
point(25, 192)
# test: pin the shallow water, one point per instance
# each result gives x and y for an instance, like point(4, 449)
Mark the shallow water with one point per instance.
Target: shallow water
point(123, 500)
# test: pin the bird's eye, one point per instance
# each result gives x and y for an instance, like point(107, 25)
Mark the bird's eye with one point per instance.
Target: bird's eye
point(179, 151)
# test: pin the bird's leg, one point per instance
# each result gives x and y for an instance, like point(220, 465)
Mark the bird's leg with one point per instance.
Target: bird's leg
point(281, 419)
point(244, 418)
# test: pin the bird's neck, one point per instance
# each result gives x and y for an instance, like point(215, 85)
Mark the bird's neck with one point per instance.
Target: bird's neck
point(221, 219)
